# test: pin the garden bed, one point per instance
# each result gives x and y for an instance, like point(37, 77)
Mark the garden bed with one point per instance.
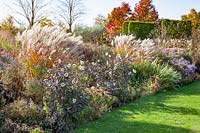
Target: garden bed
point(174, 111)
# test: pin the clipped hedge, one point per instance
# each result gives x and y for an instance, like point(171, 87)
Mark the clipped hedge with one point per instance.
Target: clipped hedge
point(140, 29)
point(125, 27)
point(169, 28)
point(176, 28)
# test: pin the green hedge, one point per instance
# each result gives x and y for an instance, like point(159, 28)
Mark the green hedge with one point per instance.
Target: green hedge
point(176, 28)
point(125, 27)
point(169, 28)
point(140, 29)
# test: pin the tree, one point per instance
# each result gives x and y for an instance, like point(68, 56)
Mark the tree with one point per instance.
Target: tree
point(117, 17)
point(194, 17)
point(100, 20)
point(94, 35)
point(145, 11)
point(8, 24)
point(70, 11)
point(45, 22)
point(30, 10)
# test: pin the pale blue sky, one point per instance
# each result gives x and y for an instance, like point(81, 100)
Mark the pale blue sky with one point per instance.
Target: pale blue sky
point(172, 9)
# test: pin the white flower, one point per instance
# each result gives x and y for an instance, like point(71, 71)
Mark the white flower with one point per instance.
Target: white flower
point(66, 75)
point(93, 63)
point(112, 43)
point(106, 54)
point(119, 56)
point(73, 100)
point(82, 62)
point(110, 73)
point(59, 61)
point(69, 65)
point(115, 67)
point(62, 69)
point(74, 81)
point(64, 51)
point(74, 65)
point(129, 73)
point(62, 84)
point(107, 63)
point(134, 71)
point(82, 68)
point(92, 87)
point(98, 85)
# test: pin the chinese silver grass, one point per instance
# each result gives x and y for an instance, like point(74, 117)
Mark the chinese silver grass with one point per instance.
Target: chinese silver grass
point(50, 42)
point(123, 40)
point(136, 49)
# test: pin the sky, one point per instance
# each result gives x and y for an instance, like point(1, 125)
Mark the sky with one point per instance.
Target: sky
point(172, 9)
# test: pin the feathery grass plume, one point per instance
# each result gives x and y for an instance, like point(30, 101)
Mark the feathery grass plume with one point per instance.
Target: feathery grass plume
point(127, 45)
point(49, 43)
point(123, 45)
point(152, 77)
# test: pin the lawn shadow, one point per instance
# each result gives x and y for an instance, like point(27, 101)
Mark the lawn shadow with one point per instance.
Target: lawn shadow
point(157, 102)
point(117, 121)
point(120, 126)
point(187, 89)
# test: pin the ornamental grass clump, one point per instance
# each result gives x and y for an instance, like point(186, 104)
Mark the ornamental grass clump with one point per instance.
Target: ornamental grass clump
point(43, 46)
point(151, 77)
point(60, 82)
point(40, 49)
point(137, 50)
point(122, 45)
point(145, 50)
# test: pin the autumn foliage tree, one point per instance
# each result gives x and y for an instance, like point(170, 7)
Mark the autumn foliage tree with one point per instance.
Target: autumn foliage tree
point(145, 11)
point(194, 17)
point(117, 17)
point(45, 22)
point(8, 24)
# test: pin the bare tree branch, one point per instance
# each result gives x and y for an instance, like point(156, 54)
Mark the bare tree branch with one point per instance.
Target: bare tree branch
point(70, 11)
point(30, 10)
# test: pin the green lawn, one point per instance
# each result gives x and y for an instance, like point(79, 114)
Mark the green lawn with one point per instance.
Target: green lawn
point(176, 111)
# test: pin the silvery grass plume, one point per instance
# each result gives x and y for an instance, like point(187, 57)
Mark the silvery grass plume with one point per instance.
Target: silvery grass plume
point(123, 45)
point(138, 49)
point(50, 42)
point(145, 48)
point(123, 40)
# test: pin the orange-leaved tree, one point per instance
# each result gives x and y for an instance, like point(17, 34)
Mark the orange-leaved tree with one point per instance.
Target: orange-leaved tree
point(194, 17)
point(145, 11)
point(117, 17)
